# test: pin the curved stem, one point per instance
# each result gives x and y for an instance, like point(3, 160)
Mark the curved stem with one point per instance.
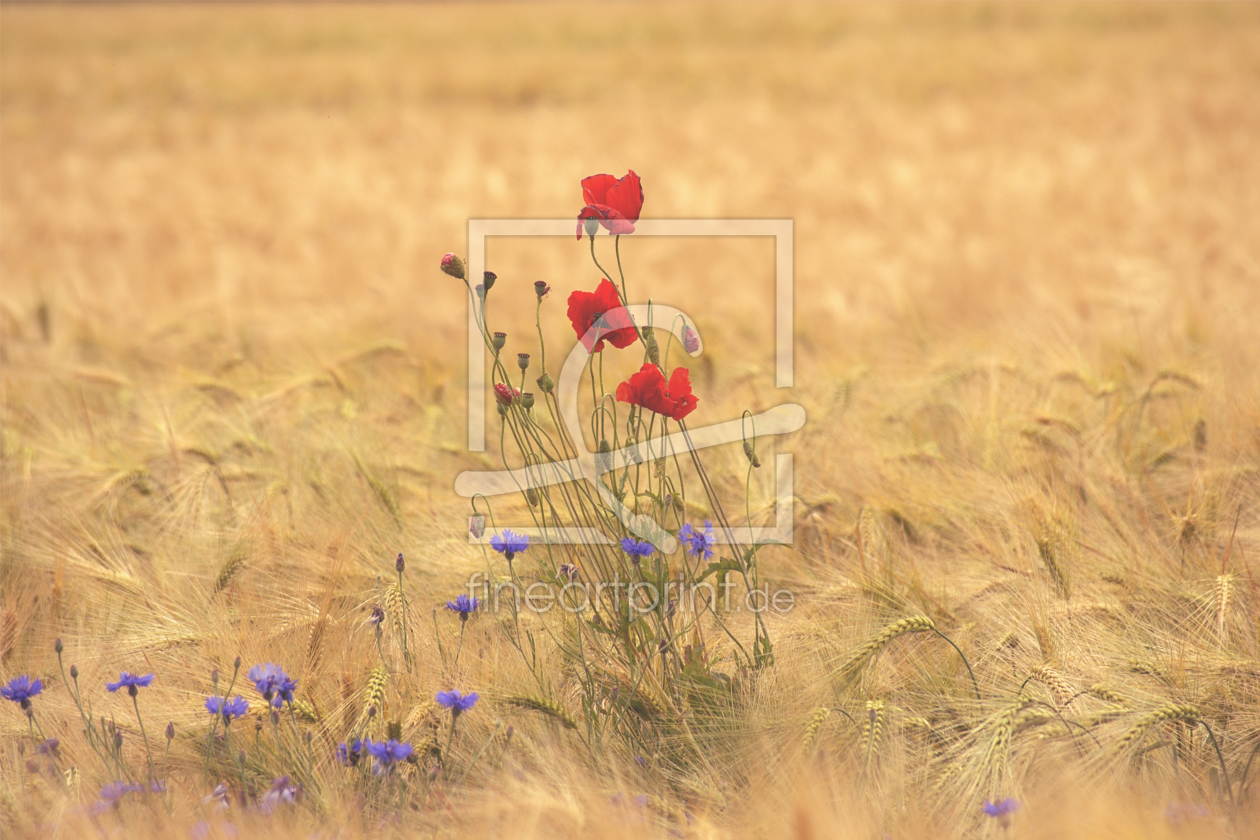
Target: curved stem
point(1229, 788)
point(970, 673)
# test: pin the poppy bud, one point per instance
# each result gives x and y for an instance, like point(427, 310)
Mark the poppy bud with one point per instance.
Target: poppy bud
point(58, 646)
point(545, 383)
point(592, 226)
point(531, 495)
point(603, 459)
point(488, 280)
point(74, 672)
point(522, 361)
point(498, 341)
point(751, 454)
point(236, 664)
point(541, 288)
point(653, 350)
point(477, 525)
point(400, 564)
point(691, 341)
point(453, 266)
point(527, 399)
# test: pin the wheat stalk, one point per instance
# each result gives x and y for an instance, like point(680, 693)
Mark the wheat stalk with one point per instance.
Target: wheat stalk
point(374, 699)
point(863, 654)
point(229, 570)
point(872, 730)
point(1171, 712)
point(1102, 692)
point(539, 704)
point(816, 720)
point(1221, 595)
point(1053, 680)
point(394, 606)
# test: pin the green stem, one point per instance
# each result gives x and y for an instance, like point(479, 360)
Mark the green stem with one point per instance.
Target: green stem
point(135, 702)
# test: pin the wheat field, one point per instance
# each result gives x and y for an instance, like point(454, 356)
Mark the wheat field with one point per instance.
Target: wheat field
point(1027, 341)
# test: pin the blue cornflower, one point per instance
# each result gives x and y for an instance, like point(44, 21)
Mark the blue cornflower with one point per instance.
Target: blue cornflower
point(134, 682)
point(21, 689)
point(50, 747)
point(387, 753)
point(464, 605)
point(455, 702)
point(350, 755)
point(1178, 812)
point(115, 791)
point(637, 549)
point(510, 544)
point(698, 544)
point(230, 709)
point(1001, 810)
point(283, 792)
point(273, 684)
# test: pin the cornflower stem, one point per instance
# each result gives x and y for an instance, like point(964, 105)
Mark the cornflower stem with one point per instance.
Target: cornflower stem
point(497, 726)
point(135, 702)
point(403, 597)
point(462, 624)
point(450, 738)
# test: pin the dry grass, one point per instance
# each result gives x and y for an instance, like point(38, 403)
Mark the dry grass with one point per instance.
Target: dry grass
point(1027, 275)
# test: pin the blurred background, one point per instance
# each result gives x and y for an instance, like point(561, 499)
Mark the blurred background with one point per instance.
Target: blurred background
point(1027, 268)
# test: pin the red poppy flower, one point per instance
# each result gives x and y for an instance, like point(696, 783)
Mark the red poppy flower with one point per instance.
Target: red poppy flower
point(614, 202)
point(601, 308)
point(505, 393)
point(647, 388)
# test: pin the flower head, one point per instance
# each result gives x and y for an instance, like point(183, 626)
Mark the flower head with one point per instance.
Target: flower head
point(691, 341)
point(229, 709)
point(453, 265)
point(567, 570)
point(272, 683)
point(1001, 810)
point(505, 394)
point(698, 544)
point(614, 203)
point(648, 389)
point(476, 525)
point(21, 689)
point(598, 316)
point(283, 792)
point(349, 756)
point(510, 544)
point(377, 617)
point(463, 605)
point(456, 702)
point(51, 746)
point(133, 682)
point(637, 549)
point(387, 753)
